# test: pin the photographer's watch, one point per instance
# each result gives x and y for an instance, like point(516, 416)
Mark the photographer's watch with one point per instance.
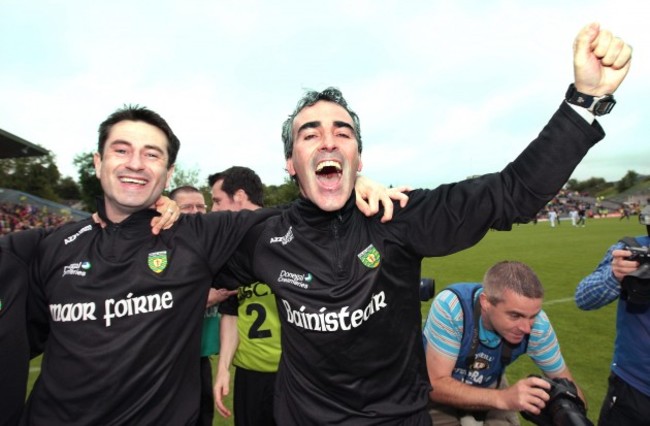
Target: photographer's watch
point(597, 105)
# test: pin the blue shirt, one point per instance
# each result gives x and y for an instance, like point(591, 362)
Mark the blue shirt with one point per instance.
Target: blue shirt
point(632, 344)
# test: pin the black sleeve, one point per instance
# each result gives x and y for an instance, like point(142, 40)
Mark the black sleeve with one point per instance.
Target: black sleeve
point(456, 216)
point(38, 324)
point(23, 246)
point(240, 268)
point(217, 234)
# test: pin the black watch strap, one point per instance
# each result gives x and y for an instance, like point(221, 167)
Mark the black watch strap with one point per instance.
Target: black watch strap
point(597, 105)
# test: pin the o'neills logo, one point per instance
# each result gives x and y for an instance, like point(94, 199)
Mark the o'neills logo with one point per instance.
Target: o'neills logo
point(285, 239)
point(341, 319)
point(73, 237)
point(299, 280)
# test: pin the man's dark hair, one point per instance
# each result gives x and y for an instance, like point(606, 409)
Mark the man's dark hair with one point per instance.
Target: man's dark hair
point(331, 94)
point(185, 188)
point(139, 113)
point(238, 177)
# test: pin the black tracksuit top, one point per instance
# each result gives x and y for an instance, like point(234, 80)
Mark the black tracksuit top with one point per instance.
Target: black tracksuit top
point(16, 251)
point(118, 314)
point(347, 286)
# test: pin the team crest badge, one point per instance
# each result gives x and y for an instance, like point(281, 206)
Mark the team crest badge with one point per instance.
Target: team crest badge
point(157, 261)
point(370, 257)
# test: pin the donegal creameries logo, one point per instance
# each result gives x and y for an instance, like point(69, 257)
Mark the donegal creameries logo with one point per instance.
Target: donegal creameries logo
point(157, 261)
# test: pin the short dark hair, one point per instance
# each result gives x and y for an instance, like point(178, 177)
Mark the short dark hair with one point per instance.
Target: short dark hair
point(238, 177)
point(185, 188)
point(514, 276)
point(331, 94)
point(139, 113)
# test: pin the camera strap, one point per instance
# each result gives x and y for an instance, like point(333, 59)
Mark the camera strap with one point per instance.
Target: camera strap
point(629, 241)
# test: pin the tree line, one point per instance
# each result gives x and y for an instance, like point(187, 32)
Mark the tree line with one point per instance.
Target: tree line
point(40, 176)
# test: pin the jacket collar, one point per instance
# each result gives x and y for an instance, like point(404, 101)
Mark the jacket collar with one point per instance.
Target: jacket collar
point(134, 221)
point(312, 215)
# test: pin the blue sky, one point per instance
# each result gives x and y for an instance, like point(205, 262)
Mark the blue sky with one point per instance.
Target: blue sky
point(444, 90)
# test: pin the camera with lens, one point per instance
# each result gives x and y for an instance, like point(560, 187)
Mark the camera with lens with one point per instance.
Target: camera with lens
point(564, 407)
point(635, 286)
point(427, 289)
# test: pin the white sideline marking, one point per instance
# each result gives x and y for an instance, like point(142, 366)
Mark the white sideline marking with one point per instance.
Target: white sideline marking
point(553, 302)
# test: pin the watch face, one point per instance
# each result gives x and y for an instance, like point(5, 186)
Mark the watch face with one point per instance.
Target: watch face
point(604, 106)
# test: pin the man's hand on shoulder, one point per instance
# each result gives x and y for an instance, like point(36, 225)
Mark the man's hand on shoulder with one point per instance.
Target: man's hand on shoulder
point(370, 193)
point(218, 295)
point(169, 214)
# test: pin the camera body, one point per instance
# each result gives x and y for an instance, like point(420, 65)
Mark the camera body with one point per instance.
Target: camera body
point(564, 407)
point(427, 289)
point(635, 286)
point(639, 254)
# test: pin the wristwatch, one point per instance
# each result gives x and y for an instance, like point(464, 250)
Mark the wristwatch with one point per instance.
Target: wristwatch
point(597, 105)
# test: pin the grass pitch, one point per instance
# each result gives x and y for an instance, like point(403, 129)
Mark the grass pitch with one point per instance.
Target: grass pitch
point(561, 257)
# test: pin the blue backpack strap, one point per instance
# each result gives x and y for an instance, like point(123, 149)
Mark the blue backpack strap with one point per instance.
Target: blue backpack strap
point(476, 311)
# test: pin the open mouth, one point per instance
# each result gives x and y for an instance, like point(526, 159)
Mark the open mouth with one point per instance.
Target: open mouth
point(328, 170)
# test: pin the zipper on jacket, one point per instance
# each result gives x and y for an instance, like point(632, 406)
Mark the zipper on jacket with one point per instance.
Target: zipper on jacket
point(114, 235)
point(337, 246)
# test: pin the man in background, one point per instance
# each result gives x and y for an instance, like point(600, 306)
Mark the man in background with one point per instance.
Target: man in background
point(625, 279)
point(250, 327)
point(190, 201)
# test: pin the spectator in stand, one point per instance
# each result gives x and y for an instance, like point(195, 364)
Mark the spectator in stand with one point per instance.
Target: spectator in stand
point(17, 217)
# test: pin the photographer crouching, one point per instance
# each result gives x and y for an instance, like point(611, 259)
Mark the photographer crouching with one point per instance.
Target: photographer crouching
point(624, 275)
point(474, 331)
